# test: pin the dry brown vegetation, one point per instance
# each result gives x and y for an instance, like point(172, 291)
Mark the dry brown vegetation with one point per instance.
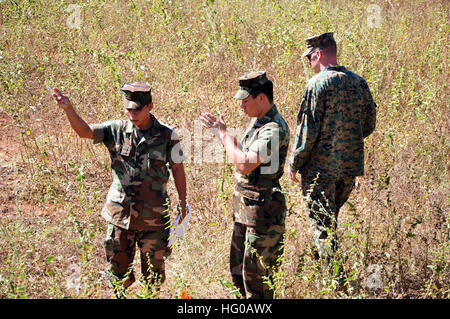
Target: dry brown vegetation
point(395, 226)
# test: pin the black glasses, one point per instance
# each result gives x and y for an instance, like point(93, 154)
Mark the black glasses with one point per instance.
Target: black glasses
point(309, 55)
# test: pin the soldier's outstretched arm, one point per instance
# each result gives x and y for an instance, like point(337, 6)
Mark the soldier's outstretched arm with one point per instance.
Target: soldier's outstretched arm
point(78, 124)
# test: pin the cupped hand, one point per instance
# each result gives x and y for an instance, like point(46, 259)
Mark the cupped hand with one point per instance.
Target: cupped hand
point(211, 122)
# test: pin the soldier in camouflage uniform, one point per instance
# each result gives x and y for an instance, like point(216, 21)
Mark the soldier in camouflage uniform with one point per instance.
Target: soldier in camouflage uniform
point(137, 206)
point(258, 202)
point(336, 113)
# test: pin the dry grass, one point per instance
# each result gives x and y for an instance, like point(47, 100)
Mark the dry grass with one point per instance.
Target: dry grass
point(53, 184)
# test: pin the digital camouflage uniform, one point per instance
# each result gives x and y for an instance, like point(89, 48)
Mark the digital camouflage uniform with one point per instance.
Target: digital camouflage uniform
point(137, 204)
point(259, 207)
point(336, 113)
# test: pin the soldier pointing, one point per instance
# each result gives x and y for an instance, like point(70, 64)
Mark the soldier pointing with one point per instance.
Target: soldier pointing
point(137, 207)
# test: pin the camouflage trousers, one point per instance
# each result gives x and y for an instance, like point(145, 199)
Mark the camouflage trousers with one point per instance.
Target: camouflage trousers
point(120, 246)
point(254, 258)
point(324, 199)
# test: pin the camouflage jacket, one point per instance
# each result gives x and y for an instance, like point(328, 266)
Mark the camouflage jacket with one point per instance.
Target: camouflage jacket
point(137, 198)
point(336, 113)
point(269, 138)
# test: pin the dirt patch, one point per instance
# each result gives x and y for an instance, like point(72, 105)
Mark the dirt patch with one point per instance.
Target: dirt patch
point(10, 181)
point(8, 138)
point(12, 175)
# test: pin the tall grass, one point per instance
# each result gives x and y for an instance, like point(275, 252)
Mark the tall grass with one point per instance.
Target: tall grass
point(395, 227)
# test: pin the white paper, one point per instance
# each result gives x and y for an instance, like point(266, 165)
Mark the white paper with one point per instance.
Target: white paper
point(177, 229)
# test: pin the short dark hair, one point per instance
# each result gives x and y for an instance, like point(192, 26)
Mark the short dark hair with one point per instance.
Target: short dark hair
point(140, 98)
point(330, 49)
point(266, 88)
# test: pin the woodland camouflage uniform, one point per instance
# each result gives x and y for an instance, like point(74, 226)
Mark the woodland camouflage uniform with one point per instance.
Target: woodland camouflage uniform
point(258, 203)
point(336, 113)
point(137, 205)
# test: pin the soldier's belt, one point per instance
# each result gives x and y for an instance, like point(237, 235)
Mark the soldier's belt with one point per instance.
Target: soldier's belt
point(240, 187)
point(254, 206)
point(255, 194)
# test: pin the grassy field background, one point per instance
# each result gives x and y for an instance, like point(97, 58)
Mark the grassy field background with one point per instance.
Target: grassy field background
point(395, 229)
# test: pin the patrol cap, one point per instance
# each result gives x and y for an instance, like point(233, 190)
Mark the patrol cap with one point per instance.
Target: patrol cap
point(319, 41)
point(139, 94)
point(250, 81)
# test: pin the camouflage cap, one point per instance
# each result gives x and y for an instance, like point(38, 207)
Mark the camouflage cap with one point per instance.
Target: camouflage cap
point(318, 42)
point(139, 94)
point(250, 81)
